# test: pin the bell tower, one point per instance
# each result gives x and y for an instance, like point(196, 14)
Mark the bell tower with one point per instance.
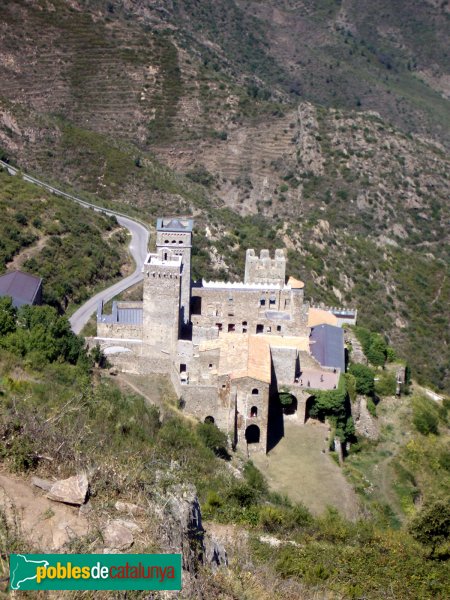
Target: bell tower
point(174, 238)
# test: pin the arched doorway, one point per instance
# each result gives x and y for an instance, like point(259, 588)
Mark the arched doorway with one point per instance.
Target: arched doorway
point(252, 434)
point(310, 412)
point(209, 419)
point(291, 409)
point(288, 402)
point(254, 411)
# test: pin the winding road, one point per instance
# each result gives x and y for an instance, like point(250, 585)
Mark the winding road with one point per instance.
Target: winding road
point(138, 249)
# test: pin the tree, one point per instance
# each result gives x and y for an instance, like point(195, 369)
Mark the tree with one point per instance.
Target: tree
point(376, 353)
point(7, 316)
point(364, 379)
point(431, 525)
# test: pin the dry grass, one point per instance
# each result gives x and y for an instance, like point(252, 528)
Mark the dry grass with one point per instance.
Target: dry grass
point(300, 467)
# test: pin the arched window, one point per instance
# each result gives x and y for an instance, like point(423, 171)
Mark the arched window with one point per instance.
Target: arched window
point(255, 391)
point(180, 241)
point(209, 419)
point(254, 411)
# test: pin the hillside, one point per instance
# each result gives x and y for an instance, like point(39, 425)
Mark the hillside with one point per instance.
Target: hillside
point(318, 126)
point(73, 249)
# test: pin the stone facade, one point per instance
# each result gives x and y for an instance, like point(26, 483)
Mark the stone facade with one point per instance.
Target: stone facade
point(227, 347)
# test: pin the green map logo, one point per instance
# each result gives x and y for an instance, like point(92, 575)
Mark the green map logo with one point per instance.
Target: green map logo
point(95, 572)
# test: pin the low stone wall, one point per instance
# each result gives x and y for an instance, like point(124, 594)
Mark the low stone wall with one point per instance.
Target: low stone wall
point(119, 331)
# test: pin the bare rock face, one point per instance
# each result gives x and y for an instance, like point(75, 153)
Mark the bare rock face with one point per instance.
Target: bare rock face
point(117, 536)
point(71, 491)
point(181, 530)
point(215, 553)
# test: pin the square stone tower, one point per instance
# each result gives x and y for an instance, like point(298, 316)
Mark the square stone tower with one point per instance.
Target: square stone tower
point(174, 238)
point(264, 269)
point(161, 304)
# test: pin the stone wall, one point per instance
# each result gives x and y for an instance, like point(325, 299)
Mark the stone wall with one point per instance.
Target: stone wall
point(243, 390)
point(285, 364)
point(119, 331)
point(247, 310)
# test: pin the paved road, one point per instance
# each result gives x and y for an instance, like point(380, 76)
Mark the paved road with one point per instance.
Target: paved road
point(138, 249)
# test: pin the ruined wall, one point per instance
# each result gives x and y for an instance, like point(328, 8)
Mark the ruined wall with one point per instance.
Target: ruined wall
point(285, 363)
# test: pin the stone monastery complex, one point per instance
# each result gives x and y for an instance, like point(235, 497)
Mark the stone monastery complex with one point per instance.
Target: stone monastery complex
point(229, 348)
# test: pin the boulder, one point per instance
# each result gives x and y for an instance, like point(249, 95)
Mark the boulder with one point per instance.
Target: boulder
point(117, 536)
point(73, 490)
point(43, 484)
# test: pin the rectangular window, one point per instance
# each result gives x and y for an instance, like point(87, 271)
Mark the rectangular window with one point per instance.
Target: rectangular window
point(182, 368)
point(196, 305)
point(278, 327)
point(231, 327)
point(219, 326)
point(262, 302)
point(260, 329)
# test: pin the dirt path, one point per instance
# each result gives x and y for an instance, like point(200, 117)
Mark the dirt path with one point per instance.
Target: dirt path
point(47, 525)
point(26, 253)
point(300, 467)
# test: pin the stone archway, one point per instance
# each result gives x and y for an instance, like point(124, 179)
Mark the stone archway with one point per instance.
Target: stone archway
point(291, 409)
point(308, 408)
point(252, 434)
point(209, 419)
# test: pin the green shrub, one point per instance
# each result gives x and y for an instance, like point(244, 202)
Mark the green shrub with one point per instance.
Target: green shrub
point(425, 416)
point(386, 384)
point(271, 518)
point(371, 407)
point(431, 525)
point(364, 378)
point(213, 438)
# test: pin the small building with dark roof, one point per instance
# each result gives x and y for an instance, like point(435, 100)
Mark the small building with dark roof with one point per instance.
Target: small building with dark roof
point(22, 287)
point(326, 343)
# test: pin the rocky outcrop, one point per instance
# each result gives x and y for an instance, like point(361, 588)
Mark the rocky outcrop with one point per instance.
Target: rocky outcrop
point(181, 530)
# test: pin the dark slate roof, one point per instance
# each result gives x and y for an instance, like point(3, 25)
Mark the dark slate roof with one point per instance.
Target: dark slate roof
point(174, 224)
point(22, 287)
point(129, 316)
point(326, 343)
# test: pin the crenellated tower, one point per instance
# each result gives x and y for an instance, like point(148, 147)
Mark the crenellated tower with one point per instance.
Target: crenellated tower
point(264, 269)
